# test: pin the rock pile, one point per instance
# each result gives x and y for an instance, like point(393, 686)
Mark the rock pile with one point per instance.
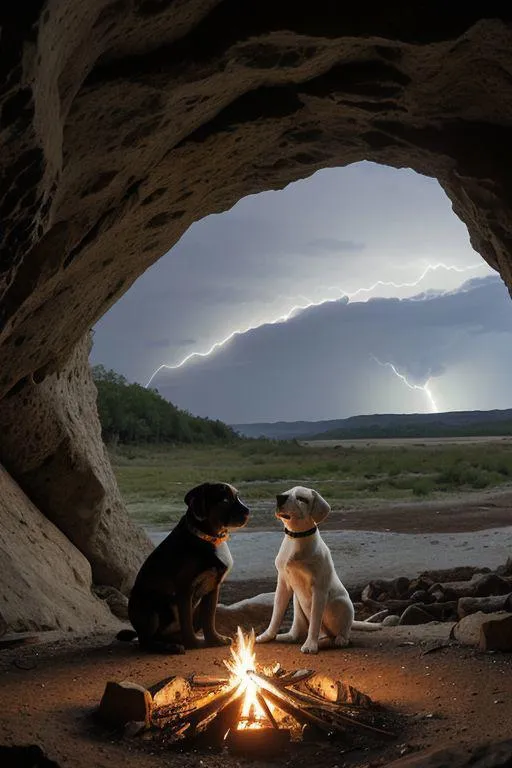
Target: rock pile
point(479, 599)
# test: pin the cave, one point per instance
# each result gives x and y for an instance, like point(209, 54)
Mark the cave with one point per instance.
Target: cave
point(125, 122)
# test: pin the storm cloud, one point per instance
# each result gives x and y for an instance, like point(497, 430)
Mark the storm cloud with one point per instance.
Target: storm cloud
point(362, 227)
point(321, 363)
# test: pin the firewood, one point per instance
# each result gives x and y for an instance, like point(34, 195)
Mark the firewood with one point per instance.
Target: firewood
point(284, 701)
point(293, 678)
point(491, 604)
point(263, 704)
point(207, 681)
point(197, 712)
point(201, 714)
point(214, 732)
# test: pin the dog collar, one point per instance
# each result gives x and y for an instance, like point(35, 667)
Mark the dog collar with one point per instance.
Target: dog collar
point(216, 540)
point(300, 534)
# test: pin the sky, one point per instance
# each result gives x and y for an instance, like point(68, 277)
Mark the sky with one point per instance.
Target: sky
point(392, 275)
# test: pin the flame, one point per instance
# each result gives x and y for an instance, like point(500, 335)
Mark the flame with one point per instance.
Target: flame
point(243, 660)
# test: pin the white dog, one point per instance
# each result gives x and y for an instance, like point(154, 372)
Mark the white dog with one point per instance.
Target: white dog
point(323, 614)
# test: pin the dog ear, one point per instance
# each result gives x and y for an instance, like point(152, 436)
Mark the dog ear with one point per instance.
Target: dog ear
point(196, 501)
point(320, 508)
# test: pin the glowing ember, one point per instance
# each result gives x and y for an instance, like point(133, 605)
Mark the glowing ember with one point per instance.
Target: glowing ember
point(243, 660)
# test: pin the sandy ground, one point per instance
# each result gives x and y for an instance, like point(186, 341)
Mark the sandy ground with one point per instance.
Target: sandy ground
point(444, 694)
point(450, 696)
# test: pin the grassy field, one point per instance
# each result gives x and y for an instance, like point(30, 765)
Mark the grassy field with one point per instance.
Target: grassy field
point(154, 480)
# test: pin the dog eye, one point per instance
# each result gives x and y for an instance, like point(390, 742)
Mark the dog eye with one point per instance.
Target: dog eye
point(303, 499)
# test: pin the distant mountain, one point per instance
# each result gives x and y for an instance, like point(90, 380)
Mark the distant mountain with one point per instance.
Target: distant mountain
point(450, 424)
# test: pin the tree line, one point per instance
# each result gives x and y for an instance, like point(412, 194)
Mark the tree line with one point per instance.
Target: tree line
point(130, 413)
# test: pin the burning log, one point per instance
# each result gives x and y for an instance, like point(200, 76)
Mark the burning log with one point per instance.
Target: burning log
point(256, 709)
point(284, 700)
point(291, 702)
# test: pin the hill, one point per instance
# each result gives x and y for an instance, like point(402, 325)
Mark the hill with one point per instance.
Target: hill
point(450, 424)
point(130, 413)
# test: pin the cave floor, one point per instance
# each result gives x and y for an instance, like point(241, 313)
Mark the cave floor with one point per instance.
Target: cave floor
point(448, 695)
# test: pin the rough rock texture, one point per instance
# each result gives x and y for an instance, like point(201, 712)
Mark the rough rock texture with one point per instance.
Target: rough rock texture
point(45, 581)
point(124, 121)
point(56, 455)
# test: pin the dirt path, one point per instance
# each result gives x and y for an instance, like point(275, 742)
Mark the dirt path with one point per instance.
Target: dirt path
point(452, 696)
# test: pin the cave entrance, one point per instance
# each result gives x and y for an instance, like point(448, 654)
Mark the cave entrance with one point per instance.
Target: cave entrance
point(363, 271)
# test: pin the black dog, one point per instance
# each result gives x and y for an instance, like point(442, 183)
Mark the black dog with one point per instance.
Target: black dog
point(177, 588)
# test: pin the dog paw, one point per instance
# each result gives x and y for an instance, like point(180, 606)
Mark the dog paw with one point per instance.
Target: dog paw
point(265, 637)
point(287, 637)
point(192, 644)
point(310, 647)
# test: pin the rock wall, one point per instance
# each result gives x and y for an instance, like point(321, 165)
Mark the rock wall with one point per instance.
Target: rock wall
point(123, 122)
point(51, 443)
point(45, 581)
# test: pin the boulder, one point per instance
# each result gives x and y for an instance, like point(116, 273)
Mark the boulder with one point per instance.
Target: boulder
point(496, 634)
point(51, 438)
point(116, 601)
point(45, 581)
point(252, 613)
point(468, 630)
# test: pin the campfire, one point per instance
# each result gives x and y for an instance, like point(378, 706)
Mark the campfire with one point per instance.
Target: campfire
point(258, 708)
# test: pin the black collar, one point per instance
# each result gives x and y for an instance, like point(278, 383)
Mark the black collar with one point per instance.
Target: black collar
point(300, 534)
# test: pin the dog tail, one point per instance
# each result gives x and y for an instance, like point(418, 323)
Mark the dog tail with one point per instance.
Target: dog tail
point(126, 635)
point(366, 626)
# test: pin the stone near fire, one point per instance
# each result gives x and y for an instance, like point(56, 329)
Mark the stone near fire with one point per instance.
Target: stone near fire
point(255, 612)
point(496, 634)
point(125, 702)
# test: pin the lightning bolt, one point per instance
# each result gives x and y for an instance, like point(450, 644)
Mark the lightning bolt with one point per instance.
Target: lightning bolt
point(309, 303)
point(424, 388)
